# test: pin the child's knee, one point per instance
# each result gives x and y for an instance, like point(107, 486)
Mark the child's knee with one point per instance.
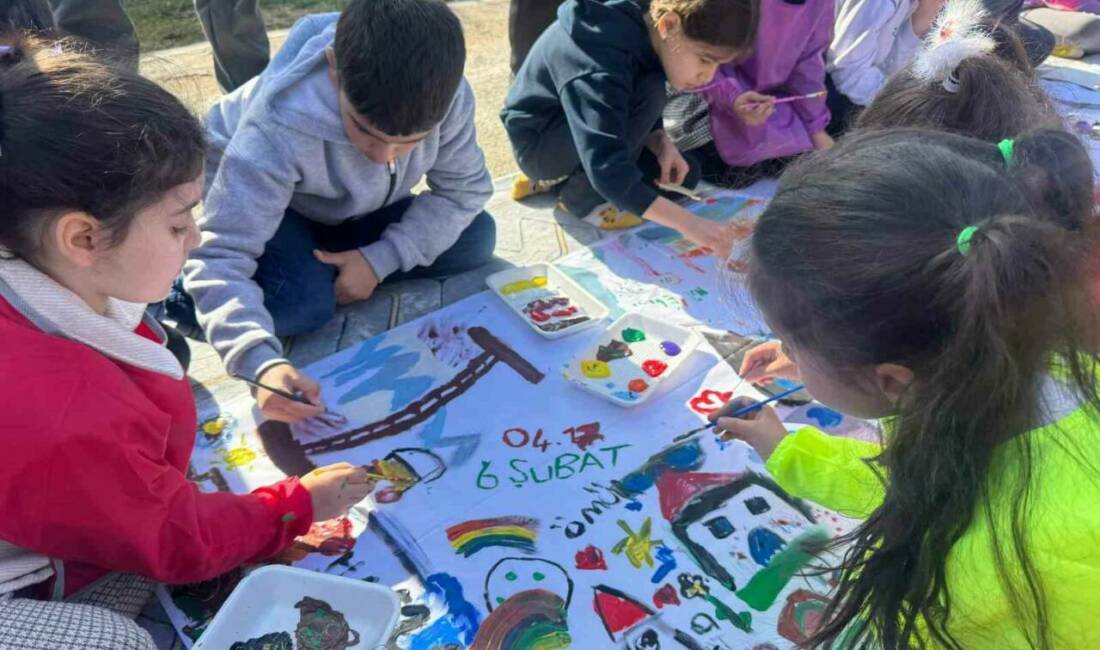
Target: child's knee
point(306, 315)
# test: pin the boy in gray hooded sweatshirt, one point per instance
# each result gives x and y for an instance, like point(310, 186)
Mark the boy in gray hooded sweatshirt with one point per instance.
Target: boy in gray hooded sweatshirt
point(309, 175)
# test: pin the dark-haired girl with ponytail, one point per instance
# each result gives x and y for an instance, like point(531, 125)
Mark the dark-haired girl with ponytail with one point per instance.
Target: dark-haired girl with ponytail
point(942, 284)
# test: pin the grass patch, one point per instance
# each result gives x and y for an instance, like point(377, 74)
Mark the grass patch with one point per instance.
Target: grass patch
point(162, 24)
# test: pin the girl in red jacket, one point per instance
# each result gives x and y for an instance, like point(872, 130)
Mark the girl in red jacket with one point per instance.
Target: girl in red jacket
point(99, 171)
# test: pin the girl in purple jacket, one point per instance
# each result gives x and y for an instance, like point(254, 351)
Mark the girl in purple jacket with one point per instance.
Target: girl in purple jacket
point(771, 106)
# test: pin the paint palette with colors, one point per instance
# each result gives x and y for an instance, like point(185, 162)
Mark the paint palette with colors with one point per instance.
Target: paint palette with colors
point(551, 302)
point(634, 356)
point(280, 606)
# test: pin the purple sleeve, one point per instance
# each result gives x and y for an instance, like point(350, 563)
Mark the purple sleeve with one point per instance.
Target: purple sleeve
point(808, 75)
point(726, 87)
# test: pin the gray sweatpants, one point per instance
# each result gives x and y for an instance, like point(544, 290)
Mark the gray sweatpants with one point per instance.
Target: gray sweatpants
point(99, 616)
point(235, 29)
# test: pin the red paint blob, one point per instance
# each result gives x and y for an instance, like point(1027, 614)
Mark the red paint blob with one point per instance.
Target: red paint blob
point(637, 386)
point(665, 596)
point(709, 401)
point(654, 368)
point(590, 558)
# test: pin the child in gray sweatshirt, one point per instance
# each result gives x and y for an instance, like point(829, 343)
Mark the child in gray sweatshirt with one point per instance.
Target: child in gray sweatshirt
point(309, 175)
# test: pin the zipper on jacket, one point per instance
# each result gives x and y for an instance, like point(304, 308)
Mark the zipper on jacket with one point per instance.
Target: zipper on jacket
point(392, 167)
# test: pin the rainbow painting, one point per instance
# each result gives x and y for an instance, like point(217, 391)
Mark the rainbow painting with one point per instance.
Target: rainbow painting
point(470, 537)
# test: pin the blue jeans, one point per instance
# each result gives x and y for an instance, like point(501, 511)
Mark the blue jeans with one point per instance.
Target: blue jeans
point(299, 290)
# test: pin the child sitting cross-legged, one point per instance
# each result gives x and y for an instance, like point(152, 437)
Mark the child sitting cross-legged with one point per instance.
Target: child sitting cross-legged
point(309, 175)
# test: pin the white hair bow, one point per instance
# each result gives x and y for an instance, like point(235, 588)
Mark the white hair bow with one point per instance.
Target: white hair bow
point(958, 34)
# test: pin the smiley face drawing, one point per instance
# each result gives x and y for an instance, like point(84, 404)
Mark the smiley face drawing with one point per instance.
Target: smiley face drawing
point(513, 575)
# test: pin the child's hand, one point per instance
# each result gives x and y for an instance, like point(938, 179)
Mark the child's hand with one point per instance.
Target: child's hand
point(754, 108)
point(822, 141)
point(335, 488)
point(718, 237)
point(277, 407)
point(674, 168)
point(762, 428)
point(357, 280)
point(768, 361)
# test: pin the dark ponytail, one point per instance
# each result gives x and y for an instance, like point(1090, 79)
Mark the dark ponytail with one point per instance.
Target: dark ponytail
point(79, 134)
point(857, 261)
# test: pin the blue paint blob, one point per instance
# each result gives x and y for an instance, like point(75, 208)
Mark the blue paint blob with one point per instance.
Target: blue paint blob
point(636, 506)
point(668, 564)
point(684, 457)
point(391, 363)
point(826, 418)
point(610, 384)
point(785, 384)
point(625, 395)
point(763, 544)
point(460, 622)
point(637, 482)
point(670, 348)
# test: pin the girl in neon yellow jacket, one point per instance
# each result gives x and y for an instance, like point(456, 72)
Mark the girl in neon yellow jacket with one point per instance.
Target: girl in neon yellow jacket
point(942, 283)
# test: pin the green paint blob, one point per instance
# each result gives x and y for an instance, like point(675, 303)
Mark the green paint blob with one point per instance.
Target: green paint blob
point(511, 576)
point(631, 335)
point(539, 576)
point(499, 600)
point(764, 587)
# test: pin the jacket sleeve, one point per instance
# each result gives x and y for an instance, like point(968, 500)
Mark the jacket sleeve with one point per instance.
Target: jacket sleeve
point(829, 470)
point(596, 107)
point(103, 494)
point(858, 67)
point(243, 207)
point(459, 186)
point(726, 87)
point(808, 76)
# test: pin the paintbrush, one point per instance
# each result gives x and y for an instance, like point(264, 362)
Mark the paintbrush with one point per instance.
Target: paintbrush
point(679, 189)
point(743, 411)
point(785, 100)
point(294, 397)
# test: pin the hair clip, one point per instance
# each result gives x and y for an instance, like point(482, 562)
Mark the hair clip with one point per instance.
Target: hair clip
point(962, 242)
point(1008, 150)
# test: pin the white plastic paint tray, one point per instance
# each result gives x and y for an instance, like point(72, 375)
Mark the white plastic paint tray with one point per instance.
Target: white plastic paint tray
point(264, 603)
point(663, 343)
point(521, 288)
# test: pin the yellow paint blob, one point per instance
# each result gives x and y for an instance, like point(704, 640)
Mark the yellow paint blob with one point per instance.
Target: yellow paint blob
point(238, 457)
point(537, 282)
point(594, 369)
point(215, 426)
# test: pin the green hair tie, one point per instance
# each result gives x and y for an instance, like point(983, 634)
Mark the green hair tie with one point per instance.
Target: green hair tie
point(963, 240)
point(1007, 147)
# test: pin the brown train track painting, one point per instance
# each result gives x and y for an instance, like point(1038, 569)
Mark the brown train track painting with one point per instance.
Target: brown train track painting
point(293, 457)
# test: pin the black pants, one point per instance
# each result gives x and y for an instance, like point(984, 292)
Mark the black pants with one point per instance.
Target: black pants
point(715, 170)
point(527, 20)
point(842, 110)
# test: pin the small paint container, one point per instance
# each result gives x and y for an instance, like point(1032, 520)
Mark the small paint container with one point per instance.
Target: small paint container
point(635, 355)
point(549, 301)
point(273, 601)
